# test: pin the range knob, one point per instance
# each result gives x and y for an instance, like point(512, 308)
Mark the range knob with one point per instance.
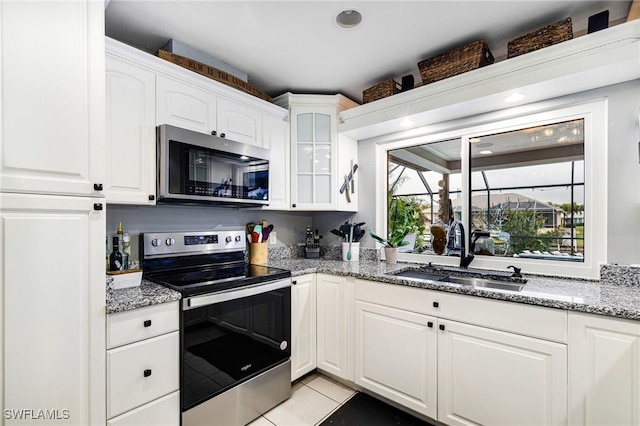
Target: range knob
point(228, 239)
point(238, 238)
point(156, 242)
point(170, 241)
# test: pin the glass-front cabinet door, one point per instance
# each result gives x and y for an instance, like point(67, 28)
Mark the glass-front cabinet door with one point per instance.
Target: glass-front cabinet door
point(313, 157)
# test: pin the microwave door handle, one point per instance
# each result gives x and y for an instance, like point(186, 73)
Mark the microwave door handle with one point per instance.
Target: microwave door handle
point(223, 296)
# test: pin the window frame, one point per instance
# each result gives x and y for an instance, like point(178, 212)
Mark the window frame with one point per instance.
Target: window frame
point(594, 114)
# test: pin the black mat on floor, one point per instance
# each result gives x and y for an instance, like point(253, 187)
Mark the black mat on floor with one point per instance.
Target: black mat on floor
point(365, 410)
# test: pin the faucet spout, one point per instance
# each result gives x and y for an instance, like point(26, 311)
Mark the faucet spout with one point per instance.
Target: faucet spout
point(465, 259)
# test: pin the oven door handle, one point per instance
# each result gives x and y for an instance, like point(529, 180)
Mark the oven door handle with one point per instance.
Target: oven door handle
point(210, 299)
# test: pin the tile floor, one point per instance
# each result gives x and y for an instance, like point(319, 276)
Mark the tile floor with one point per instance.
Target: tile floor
point(313, 399)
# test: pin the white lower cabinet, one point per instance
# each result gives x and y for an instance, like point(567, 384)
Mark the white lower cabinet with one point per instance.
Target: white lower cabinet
point(396, 355)
point(604, 370)
point(303, 325)
point(143, 366)
point(163, 411)
point(332, 324)
point(489, 377)
point(409, 350)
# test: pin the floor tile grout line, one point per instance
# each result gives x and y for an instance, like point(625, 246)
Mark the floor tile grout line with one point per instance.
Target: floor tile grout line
point(340, 404)
point(353, 391)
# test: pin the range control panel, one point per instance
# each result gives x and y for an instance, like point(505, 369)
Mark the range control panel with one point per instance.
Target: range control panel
point(162, 244)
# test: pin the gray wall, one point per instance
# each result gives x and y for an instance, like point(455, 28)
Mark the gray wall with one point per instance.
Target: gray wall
point(623, 195)
point(289, 226)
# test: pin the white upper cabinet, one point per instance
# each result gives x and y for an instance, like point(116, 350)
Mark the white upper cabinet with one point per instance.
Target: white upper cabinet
point(131, 133)
point(275, 138)
point(239, 122)
point(319, 163)
point(183, 105)
point(52, 132)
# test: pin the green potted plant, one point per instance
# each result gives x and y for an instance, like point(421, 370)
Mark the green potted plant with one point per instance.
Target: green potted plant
point(396, 239)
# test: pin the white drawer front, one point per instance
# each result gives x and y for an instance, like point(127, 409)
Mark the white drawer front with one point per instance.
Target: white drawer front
point(127, 385)
point(143, 323)
point(164, 411)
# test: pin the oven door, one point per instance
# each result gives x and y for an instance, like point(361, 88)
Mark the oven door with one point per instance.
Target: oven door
point(230, 337)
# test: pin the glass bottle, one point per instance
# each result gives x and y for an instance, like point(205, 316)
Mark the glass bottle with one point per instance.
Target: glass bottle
point(115, 258)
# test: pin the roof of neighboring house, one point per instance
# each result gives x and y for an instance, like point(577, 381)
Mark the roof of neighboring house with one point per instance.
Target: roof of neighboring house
point(511, 200)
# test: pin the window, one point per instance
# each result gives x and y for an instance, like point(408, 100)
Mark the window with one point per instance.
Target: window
point(523, 187)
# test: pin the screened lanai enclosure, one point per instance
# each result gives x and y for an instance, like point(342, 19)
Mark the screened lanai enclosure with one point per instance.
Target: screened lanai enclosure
point(525, 192)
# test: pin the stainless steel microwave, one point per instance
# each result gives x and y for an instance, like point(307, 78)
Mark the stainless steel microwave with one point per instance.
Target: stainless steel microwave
point(198, 168)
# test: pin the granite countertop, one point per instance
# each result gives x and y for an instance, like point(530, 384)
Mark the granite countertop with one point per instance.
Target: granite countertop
point(617, 295)
point(146, 294)
point(596, 297)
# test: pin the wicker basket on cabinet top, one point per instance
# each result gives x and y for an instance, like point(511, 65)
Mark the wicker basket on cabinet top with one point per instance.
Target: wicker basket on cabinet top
point(457, 61)
point(540, 38)
point(381, 90)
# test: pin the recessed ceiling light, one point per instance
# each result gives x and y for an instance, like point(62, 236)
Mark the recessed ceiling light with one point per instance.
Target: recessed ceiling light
point(407, 122)
point(514, 97)
point(349, 18)
point(486, 152)
point(244, 157)
point(474, 140)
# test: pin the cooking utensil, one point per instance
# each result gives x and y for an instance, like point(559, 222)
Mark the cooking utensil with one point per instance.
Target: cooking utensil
point(266, 232)
point(359, 236)
point(350, 241)
point(254, 237)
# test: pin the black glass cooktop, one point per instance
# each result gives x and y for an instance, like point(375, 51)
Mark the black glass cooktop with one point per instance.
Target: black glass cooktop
point(210, 279)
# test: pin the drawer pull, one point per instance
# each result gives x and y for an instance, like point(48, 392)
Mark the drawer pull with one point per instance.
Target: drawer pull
point(147, 323)
point(442, 327)
point(430, 324)
point(436, 304)
point(147, 373)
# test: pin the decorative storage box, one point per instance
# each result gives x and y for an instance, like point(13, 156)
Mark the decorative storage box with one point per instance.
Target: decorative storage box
point(125, 279)
point(457, 61)
point(543, 37)
point(381, 90)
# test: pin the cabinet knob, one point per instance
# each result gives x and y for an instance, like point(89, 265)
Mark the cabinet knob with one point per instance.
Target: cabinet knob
point(222, 135)
point(430, 324)
point(214, 133)
point(97, 186)
point(97, 206)
point(152, 197)
point(147, 373)
point(293, 205)
point(294, 282)
point(441, 327)
point(436, 304)
point(147, 323)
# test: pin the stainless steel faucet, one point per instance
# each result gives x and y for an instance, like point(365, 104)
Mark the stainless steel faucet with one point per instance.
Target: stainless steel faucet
point(465, 259)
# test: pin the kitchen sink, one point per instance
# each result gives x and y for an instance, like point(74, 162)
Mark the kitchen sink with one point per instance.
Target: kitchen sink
point(476, 280)
point(485, 283)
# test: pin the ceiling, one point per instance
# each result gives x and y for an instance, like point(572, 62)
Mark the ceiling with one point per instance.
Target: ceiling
point(296, 45)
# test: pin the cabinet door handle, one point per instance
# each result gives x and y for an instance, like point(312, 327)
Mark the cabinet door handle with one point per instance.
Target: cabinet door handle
point(147, 373)
point(97, 206)
point(430, 324)
point(294, 282)
point(436, 304)
point(97, 186)
point(222, 135)
point(293, 205)
point(147, 323)
point(441, 327)
point(152, 197)
point(214, 133)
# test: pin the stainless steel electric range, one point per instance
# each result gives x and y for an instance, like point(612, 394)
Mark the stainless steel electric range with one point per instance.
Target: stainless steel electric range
point(235, 324)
